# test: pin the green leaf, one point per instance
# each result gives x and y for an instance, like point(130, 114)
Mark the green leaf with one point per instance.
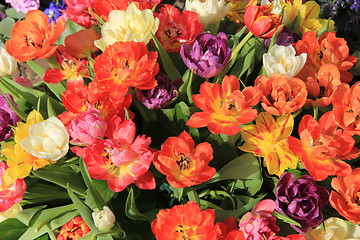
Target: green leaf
point(245, 58)
point(6, 25)
point(246, 169)
point(31, 96)
point(26, 215)
point(34, 232)
point(43, 217)
point(11, 12)
point(222, 215)
point(62, 177)
point(131, 210)
point(12, 229)
point(100, 203)
point(285, 219)
point(323, 29)
point(168, 65)
point(50, 110)
point(84, 210)
point(56, 89)
point(20, 113)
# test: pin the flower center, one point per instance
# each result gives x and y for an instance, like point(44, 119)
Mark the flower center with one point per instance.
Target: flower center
point(183, 232)
point(183, 162)
point(51, 14)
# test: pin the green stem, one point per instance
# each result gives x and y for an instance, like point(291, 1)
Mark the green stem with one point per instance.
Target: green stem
point(193, 196)
point(234, 55)
point(213, 28)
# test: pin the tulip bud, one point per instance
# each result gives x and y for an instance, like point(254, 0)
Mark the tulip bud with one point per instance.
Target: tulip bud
point(8, 64)
point(104, 220)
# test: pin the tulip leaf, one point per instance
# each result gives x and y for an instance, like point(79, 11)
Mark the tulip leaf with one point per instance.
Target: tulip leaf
point(56, 89)
point(31, 96)
point(245, 59)
point(168, 65)
point(99, 201)
point(43, 217)
point(70, 29)
point(50, 110)
point(285, 219)
point(26, 215)
point(246, 169)
point(12, 229)
point(20, 113)
point(37, 231)
point(221, 215)
point(84, 210)
point(62, 177)
point(131, 210)
point(323, 29)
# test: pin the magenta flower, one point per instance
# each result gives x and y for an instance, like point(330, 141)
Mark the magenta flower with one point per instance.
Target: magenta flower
point(301, 200)
point(259, 224)
point(162, 94)
point(24, 5)
point(208, 55)
point(87, 127)
point(8, 118)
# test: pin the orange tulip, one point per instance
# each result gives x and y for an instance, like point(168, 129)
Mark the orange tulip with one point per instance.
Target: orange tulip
point(260, 21)
point(34, 37)
point(281, 95)
point(225, 107)
point(346, 199)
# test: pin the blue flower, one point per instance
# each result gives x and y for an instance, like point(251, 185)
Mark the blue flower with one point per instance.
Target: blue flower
point(53, 11)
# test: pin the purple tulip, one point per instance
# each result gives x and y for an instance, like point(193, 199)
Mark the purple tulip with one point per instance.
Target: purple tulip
point(7, 118)
point(208, 55)
point(301, 200)
point(162, 94)
point(285, 38)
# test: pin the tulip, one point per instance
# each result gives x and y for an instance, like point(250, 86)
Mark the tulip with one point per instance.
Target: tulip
point(47, 140)
point(8, 64)
point(104, 220)
point(260, 21)
point(8, 118)
point(208, 55)
point(282, 60)
point(130, 25)
point(87, 127)
point(208, 11)
point(161, 95)
point(301, 200)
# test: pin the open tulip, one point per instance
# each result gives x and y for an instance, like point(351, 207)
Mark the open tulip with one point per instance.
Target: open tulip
point(260, 21)
point(282, 60)
point(130, 25)
point(33, 37)
point(47, 140)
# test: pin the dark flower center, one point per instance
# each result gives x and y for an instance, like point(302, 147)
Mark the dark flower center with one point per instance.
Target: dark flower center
point(183, 162)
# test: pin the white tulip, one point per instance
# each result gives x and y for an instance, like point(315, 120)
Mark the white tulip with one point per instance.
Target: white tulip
point(335, 229)
point(104, 220)
point(47, 140)
point(11, 212)
point(130, 25)
point(209, 11)
point(8, 64)
point(282, 60)
point(277, 5)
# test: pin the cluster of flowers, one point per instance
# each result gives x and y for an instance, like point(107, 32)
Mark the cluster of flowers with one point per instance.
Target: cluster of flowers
point(99, 75)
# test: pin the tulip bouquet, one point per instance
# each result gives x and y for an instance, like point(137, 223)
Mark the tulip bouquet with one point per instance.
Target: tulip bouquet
point(231, 120)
